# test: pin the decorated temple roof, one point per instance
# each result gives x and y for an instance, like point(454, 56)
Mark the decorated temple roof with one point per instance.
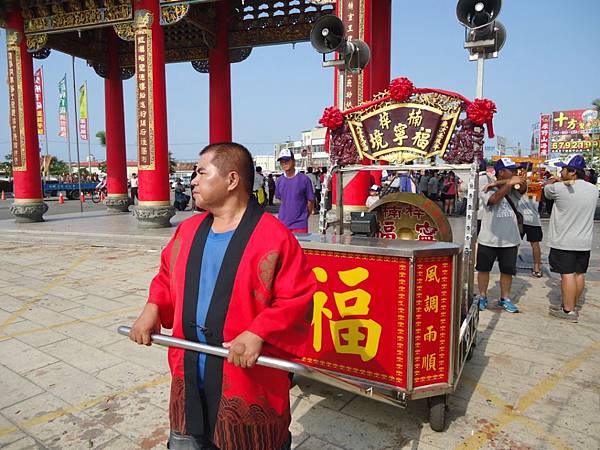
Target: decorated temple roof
point(80, 27)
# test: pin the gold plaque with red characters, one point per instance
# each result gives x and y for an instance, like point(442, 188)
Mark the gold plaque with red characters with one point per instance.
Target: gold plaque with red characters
point(411, 217)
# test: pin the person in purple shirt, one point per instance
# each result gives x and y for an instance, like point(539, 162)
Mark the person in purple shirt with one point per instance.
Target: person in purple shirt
point(295, 192)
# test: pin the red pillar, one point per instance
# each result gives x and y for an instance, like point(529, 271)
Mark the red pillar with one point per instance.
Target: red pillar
point(381, 41)
point(220, 79)
point(116, 162)
point(356, 16)
point(28, 205)
point(154, 208)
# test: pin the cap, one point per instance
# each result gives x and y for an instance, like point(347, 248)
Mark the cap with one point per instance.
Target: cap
point(285, 155)
point(374, 188)
point(573, 162)
point(505, 163)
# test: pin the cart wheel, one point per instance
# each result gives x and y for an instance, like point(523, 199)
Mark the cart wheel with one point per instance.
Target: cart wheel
point(437, 412)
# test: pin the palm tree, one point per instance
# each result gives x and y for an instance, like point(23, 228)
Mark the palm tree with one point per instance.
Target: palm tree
point(101, 135)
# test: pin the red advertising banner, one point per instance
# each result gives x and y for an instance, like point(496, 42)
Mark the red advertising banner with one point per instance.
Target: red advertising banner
point(433, 315)
point(360, 315)
point(575, 121)
point(38, 89)
point(544, 134)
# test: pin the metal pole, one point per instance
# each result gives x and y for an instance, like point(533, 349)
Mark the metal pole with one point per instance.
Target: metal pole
point(480, 60)
point(68, 127)
point(87, 100)
point(371, 390)
point(341, 87)
point(76, 133)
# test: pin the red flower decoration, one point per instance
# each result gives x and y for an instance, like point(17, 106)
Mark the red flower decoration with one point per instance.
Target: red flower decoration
point(332, 118)
point(481, 111)
point(401, 89)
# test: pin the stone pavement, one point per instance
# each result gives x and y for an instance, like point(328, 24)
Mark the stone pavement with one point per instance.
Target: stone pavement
point(68, 380)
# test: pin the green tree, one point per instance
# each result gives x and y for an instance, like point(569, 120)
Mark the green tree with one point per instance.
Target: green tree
point(102, 166)
point(84, 172)
point(6, 167)
point(58, 166)
point(172, 164)
point(101, 135)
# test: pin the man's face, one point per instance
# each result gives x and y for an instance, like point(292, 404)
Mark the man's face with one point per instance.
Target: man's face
point(505, 174)
point(209, 187)
point(287, 164)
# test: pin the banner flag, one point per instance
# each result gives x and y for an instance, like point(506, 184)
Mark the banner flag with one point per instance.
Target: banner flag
point(83, 112)
point(63, 120)
point(38, 88)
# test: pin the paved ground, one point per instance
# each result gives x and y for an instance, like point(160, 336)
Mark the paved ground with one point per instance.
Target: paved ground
point(68, 380)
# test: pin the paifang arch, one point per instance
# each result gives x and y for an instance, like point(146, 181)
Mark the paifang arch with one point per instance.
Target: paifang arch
point(125, 38)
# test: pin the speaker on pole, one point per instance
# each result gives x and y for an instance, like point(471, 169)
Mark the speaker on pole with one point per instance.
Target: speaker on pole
point(499, 35)
point(328, 35)
point(475, 14)
point(358, 55)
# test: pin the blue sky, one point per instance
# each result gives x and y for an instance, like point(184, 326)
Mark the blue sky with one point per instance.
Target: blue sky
point(549, 63)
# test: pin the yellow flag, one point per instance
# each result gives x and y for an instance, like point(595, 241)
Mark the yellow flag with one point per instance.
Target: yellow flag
point(83, 112)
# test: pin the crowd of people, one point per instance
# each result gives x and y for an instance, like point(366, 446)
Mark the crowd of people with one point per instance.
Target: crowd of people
point(443, 187)
point(507, 215)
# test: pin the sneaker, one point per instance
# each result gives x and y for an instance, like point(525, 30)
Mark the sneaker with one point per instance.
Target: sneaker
point(483, 301)
point(571, 316)
point(554, 307)
point(536, 274)
point(507, 305)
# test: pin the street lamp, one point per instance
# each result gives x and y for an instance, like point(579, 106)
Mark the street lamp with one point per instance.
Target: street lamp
point(484, 35)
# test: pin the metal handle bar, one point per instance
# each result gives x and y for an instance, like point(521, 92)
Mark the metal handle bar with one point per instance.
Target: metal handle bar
point(367, 389)
point(267, 361)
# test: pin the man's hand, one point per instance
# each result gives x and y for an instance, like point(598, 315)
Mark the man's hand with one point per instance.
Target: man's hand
point(146, 324)
point(244, 350)
point(515, 179)
point(489, 186)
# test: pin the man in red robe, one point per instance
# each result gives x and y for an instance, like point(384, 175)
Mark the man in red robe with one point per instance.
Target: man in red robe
point(232, 276)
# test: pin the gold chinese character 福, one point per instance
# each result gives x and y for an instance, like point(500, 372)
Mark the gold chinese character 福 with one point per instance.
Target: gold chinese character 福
point(356, 336)
point(422, 137)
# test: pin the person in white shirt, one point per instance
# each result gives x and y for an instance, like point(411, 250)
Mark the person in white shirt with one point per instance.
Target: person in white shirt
point(373, 196)
point(134, 187)
point(259, 186)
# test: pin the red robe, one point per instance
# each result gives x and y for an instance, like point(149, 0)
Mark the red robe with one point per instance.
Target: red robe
point(264, 286)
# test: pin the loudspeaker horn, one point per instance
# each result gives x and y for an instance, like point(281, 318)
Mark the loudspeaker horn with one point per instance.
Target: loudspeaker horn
point(358, 55)
point(499, 35)
point(327, 35)
point(476, 14)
